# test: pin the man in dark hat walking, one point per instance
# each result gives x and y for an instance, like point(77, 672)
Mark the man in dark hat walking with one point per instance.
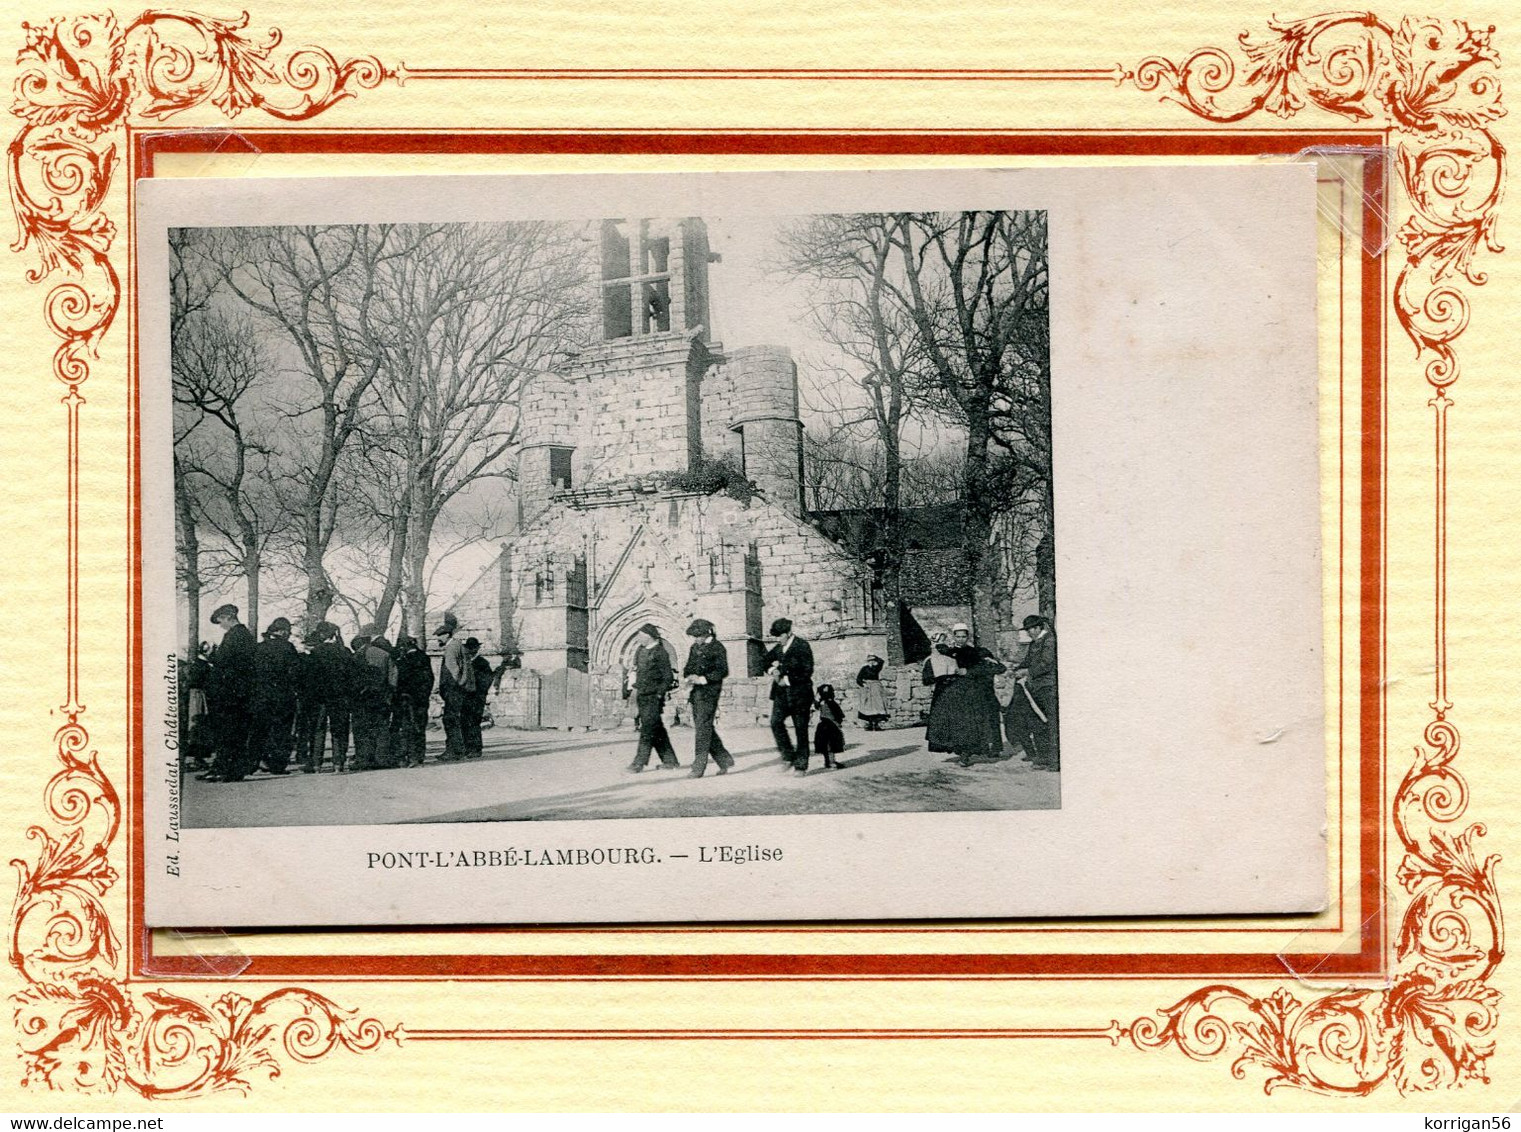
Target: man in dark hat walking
point(230, 696)
point(1031, 714)
point(653, 679)
point(455, 682)
point(790, 665)
point(706, 668)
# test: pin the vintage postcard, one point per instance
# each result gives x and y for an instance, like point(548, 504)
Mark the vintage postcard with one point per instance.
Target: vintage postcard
point(679, 548)
point(555, 330)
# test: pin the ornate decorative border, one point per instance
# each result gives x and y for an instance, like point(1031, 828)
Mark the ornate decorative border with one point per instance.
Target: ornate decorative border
point(1434, 87)
point(82, 81)
point(1432, 84)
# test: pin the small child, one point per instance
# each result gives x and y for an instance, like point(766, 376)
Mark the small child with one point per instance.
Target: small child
point(828, 739)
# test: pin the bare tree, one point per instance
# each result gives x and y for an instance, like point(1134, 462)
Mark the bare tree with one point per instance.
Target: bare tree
point(974, 286)
point(848, 260)
point(460, 330)
point(319, 288)
point(190, 292)
point(215, 364)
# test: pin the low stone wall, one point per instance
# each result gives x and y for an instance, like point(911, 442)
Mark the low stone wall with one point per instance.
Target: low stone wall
point(746, 700)
point(903, 689)
point(515, 703)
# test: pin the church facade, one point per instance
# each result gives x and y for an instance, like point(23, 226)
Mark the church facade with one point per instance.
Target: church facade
point(659, 480)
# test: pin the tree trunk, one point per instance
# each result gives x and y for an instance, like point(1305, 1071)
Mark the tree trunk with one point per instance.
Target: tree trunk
point(977, 527)
point(419, 535)
point(190, 546)
point(319, 588)
point(251, 576)
point(892, 532)
point(1045, 557)
point(396, 566)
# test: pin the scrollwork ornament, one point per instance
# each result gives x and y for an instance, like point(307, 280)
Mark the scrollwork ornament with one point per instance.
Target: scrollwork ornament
point(1433, 83)
point(81, 81)
point(1434, 86)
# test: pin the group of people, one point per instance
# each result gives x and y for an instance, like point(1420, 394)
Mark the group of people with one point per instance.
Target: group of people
point(789, 663)
point(261, 705)
point(965, 716)
point(652, 678)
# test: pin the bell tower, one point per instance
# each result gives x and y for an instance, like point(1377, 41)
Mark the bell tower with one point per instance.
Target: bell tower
point(654, 278)
point(641, 385)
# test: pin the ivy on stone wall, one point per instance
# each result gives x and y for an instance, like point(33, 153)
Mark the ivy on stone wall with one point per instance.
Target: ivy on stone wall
point(719, 475)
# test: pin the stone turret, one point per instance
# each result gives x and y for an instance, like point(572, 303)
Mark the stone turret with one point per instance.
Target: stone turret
point(548, 459)
point(763, 409)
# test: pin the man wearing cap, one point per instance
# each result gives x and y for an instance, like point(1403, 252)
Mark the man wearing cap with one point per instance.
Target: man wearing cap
point(1031, 714)
point(230, 696)
point(455, 682)
point(414, 687)
point(276, 665)
point(375, 690)
point(790, 665)
point(653, 679)
point(335, 687)
point(707, 666)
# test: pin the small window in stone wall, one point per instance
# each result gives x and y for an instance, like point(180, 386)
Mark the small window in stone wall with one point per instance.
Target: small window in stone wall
point(559, 467)
point(543, 587)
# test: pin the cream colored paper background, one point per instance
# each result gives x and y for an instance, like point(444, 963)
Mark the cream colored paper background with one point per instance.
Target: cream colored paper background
point(1482, 575)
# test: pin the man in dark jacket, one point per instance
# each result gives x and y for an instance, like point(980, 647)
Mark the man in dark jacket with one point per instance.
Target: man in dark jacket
point(230, 696)
point(276, 664)
point(335, 685)
point(653, 678)
point(475, 700)
point(456, 680)
point(789, 663)
point(707, 666)
point(309, 716)
point(374, 691)
point(414, 686)
point(1031, 714)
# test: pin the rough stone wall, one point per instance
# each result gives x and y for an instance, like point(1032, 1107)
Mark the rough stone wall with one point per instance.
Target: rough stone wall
point(762, 403)
point(719, 437)
point(516, 701)
point(479, 610)
point(807, 577)
point(669, 557)
point(763, 382)
point(907, 697)
point(635, 411)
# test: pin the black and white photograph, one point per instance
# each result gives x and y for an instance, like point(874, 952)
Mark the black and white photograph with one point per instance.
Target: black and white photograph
point(617, 517)
point(730, 546)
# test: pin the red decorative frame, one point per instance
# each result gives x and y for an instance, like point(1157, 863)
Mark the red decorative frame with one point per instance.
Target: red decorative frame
point(1427, 90)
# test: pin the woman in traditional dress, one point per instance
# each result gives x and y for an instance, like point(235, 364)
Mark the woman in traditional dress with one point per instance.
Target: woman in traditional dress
point(964, 706)
point(873, 709)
